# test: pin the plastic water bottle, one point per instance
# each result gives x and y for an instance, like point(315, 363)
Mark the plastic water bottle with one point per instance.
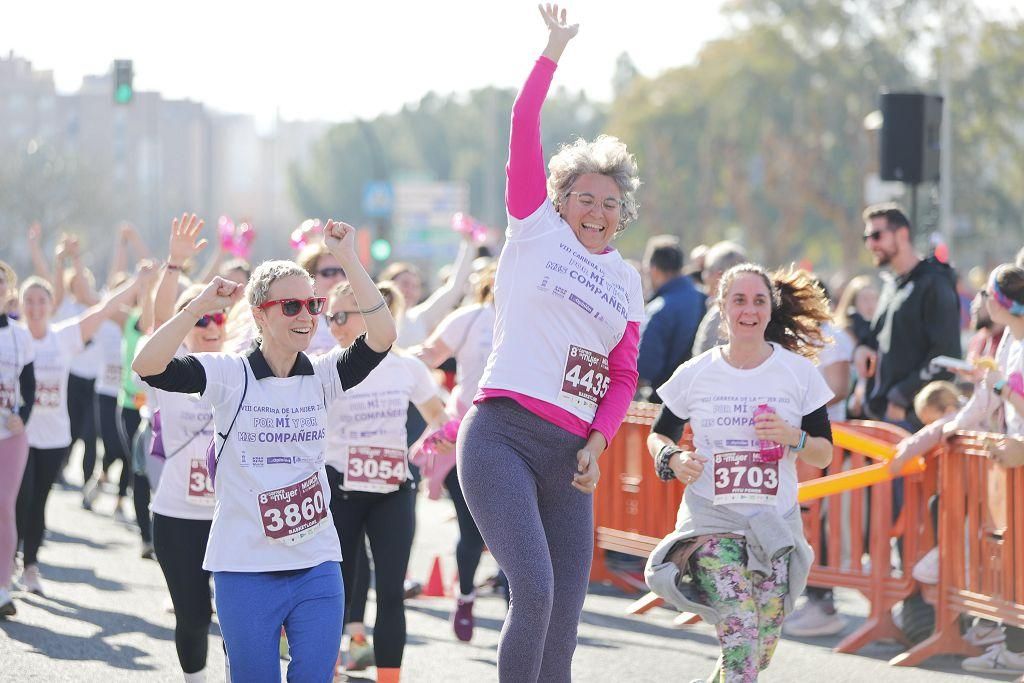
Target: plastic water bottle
point(770, 450)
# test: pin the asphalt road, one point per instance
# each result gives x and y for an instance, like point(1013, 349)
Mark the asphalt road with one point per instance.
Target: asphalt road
point(105, 619)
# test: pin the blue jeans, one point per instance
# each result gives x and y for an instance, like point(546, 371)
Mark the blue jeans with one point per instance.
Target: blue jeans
point(253, 606)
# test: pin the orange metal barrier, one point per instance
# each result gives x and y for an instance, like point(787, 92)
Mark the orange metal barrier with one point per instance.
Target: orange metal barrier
point(634, 510)
point(981, 546)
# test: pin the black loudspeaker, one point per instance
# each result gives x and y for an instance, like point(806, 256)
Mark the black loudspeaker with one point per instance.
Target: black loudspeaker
point(910, 137)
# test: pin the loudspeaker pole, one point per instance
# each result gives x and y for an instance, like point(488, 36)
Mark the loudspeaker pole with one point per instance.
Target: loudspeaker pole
point(913, 208)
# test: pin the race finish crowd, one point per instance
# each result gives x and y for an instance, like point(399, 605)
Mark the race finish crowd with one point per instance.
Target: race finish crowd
point(275, 424)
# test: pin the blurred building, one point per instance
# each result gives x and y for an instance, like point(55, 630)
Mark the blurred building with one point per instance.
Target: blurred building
point(143, 162)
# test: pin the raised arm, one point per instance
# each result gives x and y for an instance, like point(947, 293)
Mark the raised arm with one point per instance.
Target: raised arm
point(39, 264)
point(381, 333)
point(155, 353)
point(90, 320)
point(444, 300)
point(60, 256)
point(526, 184)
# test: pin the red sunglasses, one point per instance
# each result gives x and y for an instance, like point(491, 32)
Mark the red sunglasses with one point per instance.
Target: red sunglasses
point(216, 318)
point(292, 307)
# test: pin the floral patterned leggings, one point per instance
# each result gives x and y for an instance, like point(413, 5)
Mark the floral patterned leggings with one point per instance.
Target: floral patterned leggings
point(752, 605)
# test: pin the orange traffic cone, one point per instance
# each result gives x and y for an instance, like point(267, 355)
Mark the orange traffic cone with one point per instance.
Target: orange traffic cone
point(435, 584)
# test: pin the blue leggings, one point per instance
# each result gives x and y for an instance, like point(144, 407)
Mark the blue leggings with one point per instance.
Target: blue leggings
point(252, 607)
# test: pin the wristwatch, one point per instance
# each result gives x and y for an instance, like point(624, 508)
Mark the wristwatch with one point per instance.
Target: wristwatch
point(803, 442)
point(999, 387)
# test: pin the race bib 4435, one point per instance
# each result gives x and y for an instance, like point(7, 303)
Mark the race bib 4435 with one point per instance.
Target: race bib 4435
point(585, 379)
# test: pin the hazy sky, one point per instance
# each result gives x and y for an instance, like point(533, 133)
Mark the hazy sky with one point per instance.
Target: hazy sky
point(336, 60)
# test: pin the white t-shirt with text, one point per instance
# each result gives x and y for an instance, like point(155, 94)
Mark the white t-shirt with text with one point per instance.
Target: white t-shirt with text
point(719, 399)
point(49, 425)
point(560, 311)
point(370, 418)
point(186, 428)
point(16, 351)
point(469, 333)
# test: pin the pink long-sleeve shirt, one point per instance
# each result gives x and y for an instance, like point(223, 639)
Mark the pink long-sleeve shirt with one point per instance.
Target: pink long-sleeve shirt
point(525, 190)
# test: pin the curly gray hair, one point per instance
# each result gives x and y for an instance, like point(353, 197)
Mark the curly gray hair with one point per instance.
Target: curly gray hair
point(606, 155)
point(257, 292)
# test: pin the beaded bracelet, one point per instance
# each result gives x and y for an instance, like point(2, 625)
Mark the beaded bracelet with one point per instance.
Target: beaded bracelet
point(661, 461)
point(376, 308)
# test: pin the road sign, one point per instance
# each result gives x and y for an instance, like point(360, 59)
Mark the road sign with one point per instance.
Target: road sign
point(378, 199)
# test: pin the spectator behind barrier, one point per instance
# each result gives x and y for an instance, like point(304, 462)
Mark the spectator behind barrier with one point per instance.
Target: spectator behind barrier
point(673, 314)
point(719, 258)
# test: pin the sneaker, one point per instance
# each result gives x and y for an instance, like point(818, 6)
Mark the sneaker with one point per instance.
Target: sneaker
point(147, 551)
point(984, 633)
point(90, 492)
point(7, 608)
point(462, 620)
point(412, 589)
point(927, 568)
point(813, 619)
point(360, 652)
point(997, 659)
point(31, 581)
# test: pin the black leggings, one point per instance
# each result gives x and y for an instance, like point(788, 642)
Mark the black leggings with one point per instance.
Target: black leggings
point(387, 519)
point(471, 544)
point(113, 448)
point(180, 548)
point(82, 412)
point(30, 510)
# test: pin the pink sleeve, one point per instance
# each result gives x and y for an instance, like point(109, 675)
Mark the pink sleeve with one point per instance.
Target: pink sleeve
point(526, 185)
point(622, 368)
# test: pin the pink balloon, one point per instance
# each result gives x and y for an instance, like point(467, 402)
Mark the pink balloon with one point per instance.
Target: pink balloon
point(226, 230)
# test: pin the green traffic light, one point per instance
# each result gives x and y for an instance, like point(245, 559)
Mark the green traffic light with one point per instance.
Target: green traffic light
point(123, 94)
point(380, 250)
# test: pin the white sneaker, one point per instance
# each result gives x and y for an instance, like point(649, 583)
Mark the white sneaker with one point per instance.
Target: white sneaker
point(997, 659)
point(927, 568)
point(984, 633)
point(90, 492)
point(31, 581)
point(813, 620)
point(7, 608)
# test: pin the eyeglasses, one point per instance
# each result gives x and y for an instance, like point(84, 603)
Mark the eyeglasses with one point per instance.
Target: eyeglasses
point(874, 235)
point(587, 201)
point(215, 318)
point(334, 271)
point(341, 317)
point(292, 307)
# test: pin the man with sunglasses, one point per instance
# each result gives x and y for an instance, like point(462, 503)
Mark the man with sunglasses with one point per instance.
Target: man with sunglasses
point(917, 319)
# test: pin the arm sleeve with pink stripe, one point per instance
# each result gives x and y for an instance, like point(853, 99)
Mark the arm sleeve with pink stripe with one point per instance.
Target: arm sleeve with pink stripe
point(526, 182)
point(622, 368)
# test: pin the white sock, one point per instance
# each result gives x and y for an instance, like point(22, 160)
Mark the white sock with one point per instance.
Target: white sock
point(197, 677)
point(468, 598)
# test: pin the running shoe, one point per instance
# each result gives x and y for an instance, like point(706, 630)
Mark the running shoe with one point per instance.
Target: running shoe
point(90, 492)
point(412, 589)
point(7, 608)
point(812, 620)
point(462, 620)
point(361, 653)
point(997, 659)
point(927, 568)
point(31, 581)
point(120, 516)
point(984, 633)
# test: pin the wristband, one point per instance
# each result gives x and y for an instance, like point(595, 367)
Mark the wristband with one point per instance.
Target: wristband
point(999, 387)
point(801, 444)
point(376, 308)
point(170, 266)
point(661, 460)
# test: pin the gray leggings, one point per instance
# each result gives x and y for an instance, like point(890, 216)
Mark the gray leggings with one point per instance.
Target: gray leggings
point(516, 471)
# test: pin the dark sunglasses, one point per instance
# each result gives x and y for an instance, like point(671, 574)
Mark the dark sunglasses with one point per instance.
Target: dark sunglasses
point(292, 307)
point(341, 317)
point(873, 236)
point(216, 318)
point(334, 271)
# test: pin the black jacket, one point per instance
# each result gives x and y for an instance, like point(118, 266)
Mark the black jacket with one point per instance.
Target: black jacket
point(918, 318)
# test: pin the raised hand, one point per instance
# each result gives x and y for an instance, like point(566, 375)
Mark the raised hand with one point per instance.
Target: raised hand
point(183, 242)
point(35, 234)
point(217, 296)
point(560, 32)
point(146, 273)
point(340, 239)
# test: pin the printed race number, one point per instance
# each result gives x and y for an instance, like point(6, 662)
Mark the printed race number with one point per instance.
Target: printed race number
point(743, 477)
point(294, 514)
point(48, 395)
point(585, 380)
point(200, 485)
point(375, 469)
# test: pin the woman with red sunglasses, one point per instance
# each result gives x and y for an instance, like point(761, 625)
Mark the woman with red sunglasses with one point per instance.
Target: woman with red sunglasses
point(273, 550)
